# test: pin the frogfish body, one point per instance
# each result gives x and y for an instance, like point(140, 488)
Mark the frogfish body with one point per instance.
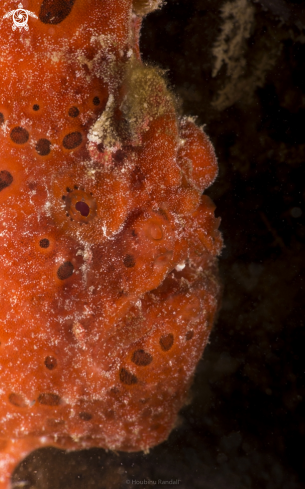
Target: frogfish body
point(108, 247)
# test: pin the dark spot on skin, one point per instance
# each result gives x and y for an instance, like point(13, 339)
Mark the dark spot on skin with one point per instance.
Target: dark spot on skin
point(63, 197)
point(96, 101)
point(83, 208)
point(75, 187)
point(85, 416)
point(44, 243)
point(80, 206)
point(49, 399)
point(65, 270)
point(166, 341)
point(43, 147)
point(129, 261)
point(55, 11)
point(50, 363)
point(118, 157)
point(19, 135)
point(133, 233)
point(127, 377)
point(17, 400)
point(100, 147)
point(141, 358)
point(32, 185)
point(73, 112)
point(35, 107)
point(72, 140)
point(68, 189)
point(189, 335)
point(1, 119)
point(6, 179)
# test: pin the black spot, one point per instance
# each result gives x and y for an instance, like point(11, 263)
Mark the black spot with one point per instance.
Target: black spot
point(127, 377)
point(83, 208)
point(129, 261)
point(36, 107)
point(55, 11)
point(17, 400)
point(43, 147)
point(5, 179)
point(189, 335)
point(75, 187)
point(65, 270)
point(72, 140)
point(50, 363)
point(85, 416)
point(118, 157)
point(44, 243)
point(68, 189)
point(166, 341)
point(49, 399)
point(63, 197)
point(141, 358)
point(96, 101)
point(19, 135)
point(73, 112)
point(1, 119)
point(100, 147)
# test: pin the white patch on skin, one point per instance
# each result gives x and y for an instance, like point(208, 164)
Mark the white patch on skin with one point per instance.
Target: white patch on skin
point(103, 131)
point(180, 266)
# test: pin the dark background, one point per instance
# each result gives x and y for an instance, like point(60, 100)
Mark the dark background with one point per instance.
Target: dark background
point(245, 425)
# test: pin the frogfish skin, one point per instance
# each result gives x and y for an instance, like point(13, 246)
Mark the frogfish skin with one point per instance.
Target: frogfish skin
point(108, 246)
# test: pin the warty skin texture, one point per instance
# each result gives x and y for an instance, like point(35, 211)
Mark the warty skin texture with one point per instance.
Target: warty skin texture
point(108, 248)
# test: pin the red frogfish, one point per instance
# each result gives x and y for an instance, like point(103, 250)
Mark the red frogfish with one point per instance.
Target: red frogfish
point(108, 247)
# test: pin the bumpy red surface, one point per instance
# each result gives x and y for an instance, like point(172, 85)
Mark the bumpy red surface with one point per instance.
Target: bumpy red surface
point(108, 248)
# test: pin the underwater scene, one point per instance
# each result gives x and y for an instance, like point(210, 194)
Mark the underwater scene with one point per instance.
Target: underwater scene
point(152, 233)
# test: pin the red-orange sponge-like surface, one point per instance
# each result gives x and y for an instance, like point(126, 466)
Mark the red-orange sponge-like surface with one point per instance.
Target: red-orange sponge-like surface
point(108, 248)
